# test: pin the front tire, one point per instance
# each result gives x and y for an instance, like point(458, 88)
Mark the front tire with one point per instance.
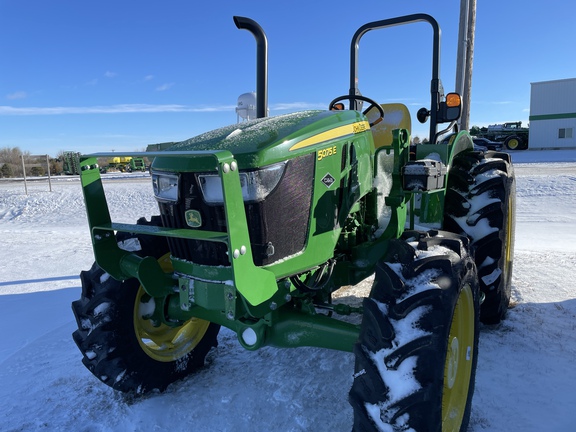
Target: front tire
point(417, 351)
point(120, 346)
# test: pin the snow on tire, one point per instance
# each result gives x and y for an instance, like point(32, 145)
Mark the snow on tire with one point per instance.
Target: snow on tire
point(417, 351)
point(121, 346)
point(480, 203)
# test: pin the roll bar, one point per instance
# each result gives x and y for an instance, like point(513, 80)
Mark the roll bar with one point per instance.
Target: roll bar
point(436, 90)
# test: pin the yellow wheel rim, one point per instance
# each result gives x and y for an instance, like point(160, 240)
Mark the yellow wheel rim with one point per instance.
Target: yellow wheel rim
point(513, 143)
point(164, 343)
point(459, 360)
point(509, 247)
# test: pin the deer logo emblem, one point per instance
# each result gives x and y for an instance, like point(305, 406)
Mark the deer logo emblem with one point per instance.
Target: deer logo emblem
point(193, 218)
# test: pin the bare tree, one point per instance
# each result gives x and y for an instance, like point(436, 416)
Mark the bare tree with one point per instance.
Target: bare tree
point(12, 158)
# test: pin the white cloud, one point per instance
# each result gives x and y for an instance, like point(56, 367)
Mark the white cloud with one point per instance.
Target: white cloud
point(148, 108)
point(164, 87)
point(297, 106)
point(111, 109)
point(17, 95)
point(148, 78)
point(109, 74)
point(485, 102)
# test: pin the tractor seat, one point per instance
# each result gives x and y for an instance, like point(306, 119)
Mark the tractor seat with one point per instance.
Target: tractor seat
point(396, 116)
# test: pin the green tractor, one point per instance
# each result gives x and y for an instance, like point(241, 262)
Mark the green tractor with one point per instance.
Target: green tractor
point(262, 222)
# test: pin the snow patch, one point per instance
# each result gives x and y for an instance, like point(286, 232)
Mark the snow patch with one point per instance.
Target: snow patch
point(234, 133)
point(400, 424)
point(383, 184)
point(130, 245)
point(492, 277)
point(435, 157)
point(101, 309)
point(488, 175)
point(147, 308)
point(475, 227)
point(481, 201)
point(488, 261)
point(86, 324)
point(120, 376)
point(400, 378)
point(182, 363)
point(104, 277)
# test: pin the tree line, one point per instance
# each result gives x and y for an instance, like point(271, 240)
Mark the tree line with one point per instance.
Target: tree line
point(36, 166)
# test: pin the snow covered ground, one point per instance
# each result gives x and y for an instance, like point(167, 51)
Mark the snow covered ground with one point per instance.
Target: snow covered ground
point(526, 378)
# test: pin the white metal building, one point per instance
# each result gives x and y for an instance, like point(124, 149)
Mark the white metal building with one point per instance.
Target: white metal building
point(553, 114)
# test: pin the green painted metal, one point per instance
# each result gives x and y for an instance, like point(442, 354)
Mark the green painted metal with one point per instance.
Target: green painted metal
point(266, 141)
point(283, 327)
point(260, 142)
point(255, 284)
point(366, 255)
point(430, 211)
point(552, 116)
point(295, 329)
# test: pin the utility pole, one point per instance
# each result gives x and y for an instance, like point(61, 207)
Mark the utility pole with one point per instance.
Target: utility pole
point(465, 58)
point(462, 47)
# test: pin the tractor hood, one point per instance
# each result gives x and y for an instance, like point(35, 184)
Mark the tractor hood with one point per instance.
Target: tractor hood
point(268, 140)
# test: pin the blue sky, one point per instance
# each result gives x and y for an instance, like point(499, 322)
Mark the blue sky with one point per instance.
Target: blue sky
point(118, 75)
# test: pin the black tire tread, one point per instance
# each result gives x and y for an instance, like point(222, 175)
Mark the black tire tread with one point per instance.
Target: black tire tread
point(378, 342)
point(476, 174)
point(106, 336)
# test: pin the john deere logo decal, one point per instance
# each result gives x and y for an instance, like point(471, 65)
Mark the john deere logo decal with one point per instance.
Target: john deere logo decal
point(193, 218)
point(328, 180)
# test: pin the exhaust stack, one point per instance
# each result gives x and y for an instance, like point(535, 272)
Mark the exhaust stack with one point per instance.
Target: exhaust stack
point(261, 62)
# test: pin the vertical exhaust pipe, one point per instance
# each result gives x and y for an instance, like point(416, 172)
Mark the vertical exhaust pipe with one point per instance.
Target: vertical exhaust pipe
point(261, 62)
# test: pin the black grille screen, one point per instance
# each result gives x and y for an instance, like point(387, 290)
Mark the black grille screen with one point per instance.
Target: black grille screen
point(278, 226)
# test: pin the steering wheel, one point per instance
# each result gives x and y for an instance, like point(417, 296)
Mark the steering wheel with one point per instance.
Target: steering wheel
point(372, 103)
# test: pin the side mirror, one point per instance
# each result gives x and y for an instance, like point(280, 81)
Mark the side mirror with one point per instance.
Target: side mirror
point(422, 115)
point(450, 109)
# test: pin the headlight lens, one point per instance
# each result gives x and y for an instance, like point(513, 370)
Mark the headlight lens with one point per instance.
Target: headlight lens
point(165, 186)
point(256, 185)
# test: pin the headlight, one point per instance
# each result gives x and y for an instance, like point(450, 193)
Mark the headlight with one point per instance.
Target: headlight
point(256, 185)
point(165, 187)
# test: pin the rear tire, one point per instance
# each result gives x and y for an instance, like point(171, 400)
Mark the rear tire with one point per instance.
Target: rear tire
point(480, 203)
point(514, 143)
point(123, 349)
point(417, 351)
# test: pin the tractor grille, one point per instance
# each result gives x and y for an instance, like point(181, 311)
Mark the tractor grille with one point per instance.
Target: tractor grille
point(278, 226)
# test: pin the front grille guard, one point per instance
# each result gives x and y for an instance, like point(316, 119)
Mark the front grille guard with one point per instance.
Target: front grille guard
point(122, 265)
